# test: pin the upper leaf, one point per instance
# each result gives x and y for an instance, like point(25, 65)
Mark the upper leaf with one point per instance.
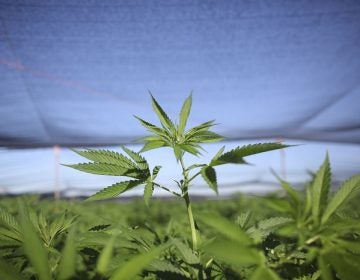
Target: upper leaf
point(196, 129)
point(164, 119)
point(346, 192)
point(236, 155)
point(164, 134)
point(291, 192)
point(320, 189)
point(206, 137)
point(184, 114)
point(153, 145)
point(190, 148)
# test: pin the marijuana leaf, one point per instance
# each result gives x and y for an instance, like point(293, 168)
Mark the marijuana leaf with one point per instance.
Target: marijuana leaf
point(175, 137)
point(209, 175)
point(320, 189)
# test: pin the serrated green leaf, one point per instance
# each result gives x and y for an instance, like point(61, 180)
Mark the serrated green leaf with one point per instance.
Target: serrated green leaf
point(165, 266)
point(148, 191)
point(59, 225)
point(33, 243)
point(8, 272)
point(308, 202)
point(189, 148)
point(262, 273)
point(153, 128)
point(196, 129)
point(155, 171)
point(349, 246)
point(344, 225)
point(186, 252)
point(347, 191)
point(345, 265)
point(226, 228)
point(273, 223)
point(209, 175)
point(67, 266)
point(320, 189)
point(149, 138)
point(140, 161)
point(115, 190)
point(8, 220)
point(236, 155)
point(324, 266)
point(153, 145)
point(267, 226)
point(243, 219)
point(105, 256)
point(184, 114)
point(134, 266)
point(218, 154)
point(106, 169)
point(291, 192)
point(178, 152)
point(233, 253)
point(164, 119)
point(228, 157)
point(11, 235)
point(207, 137)
point(90, 239)
point(108, 157)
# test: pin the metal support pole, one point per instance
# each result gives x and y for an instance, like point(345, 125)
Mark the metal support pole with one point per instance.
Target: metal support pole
point(282, 159)
point(57, 151)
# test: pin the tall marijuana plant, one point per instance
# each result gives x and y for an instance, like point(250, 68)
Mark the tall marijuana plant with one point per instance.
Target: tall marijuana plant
point(181, 140)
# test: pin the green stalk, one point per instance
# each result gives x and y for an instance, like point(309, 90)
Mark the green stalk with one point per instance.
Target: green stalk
point(191, 220)
point(186, 197)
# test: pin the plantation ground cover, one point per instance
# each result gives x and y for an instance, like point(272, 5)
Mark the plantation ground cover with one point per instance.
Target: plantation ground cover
point(93, 240)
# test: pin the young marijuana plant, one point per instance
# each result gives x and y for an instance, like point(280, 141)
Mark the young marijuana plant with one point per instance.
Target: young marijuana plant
point(181, 140)
point(322, 235)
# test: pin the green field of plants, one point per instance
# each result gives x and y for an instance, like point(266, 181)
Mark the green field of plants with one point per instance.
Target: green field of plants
point(240, 238)
point(308, 234)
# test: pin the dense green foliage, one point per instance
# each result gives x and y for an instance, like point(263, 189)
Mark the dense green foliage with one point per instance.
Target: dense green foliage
point(301, 235)
point(92, 240)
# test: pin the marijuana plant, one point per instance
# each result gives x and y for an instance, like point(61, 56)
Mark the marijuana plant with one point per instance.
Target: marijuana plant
point(325, 232)
point(181, 140)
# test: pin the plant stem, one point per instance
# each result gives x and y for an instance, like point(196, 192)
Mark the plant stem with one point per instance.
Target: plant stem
point(191, 221)
point(193, 177)
point(185, 186)
point(168, 190)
